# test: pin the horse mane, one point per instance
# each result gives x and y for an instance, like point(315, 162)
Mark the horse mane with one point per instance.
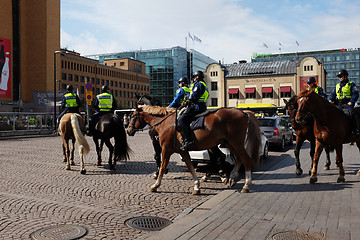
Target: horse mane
point(305, 93)
point(157, 110)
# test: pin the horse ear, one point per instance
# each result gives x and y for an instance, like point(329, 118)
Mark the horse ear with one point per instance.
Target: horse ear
point(285, 101)
point(137, 96)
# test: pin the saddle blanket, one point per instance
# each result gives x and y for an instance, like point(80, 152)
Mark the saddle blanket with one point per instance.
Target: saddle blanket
point(199, 121)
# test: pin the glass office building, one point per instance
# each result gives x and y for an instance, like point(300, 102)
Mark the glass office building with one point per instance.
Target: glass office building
point(165, 67)
point(334, 61)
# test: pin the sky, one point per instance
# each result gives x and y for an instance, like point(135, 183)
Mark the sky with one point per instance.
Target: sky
point(229, 30)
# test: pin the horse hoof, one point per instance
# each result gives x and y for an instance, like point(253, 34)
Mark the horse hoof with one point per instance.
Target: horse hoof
point(224, 180)
point(358, 173)
point(72, 163)
point(340, 180)
point(203, 179)
point(68, 168)
point(244, 190)
point(155, 176)
point(83, 171)
point(232, 182)
point(313, 180)
point(98, 164)
point(112, 167)
point(64, 160)
point(153, 189)
point(195, 192)
point(326, 168)
point(299, 172)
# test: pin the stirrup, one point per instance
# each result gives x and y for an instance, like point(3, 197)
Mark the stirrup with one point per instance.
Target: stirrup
point(186, 144)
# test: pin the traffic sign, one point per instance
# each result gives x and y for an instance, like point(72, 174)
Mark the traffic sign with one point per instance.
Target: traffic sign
point(88, 86)
point(89, 97)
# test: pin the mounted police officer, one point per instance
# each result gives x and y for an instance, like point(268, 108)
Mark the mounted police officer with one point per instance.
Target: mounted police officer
point(345, 96)
point(104, 103)
point(199, 93)
point(70, 102)
point(181, 93)
point(312, 84)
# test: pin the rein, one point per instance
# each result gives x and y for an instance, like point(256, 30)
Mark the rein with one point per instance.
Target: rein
point(149, 127)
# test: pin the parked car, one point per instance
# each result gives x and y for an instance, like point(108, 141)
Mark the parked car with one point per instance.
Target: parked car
point(288, 120)
point(204, 156)
point(277, 131)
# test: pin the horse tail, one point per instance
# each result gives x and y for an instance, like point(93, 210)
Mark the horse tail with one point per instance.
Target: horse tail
point(122, 148)
point(253, 139)
point(83, 145)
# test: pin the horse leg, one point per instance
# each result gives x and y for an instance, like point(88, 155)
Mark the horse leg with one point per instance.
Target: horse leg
point(67, 152)
point(165, 160)
point(319, 148)
point(186, 157)
point(112, 165)
point(328, 162)
point(245, 159)
point(299, 143)
point(64, 152)
point(82, 165)
point(157, 155)
point(98, 151)
point(312, 153)
point(72, 152)
point(358, 145)
point(339, 159)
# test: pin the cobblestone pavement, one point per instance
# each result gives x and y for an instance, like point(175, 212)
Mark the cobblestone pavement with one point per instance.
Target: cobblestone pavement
point(36, 191)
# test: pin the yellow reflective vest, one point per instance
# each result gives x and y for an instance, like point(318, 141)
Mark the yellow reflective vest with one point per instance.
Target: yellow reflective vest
point(344, 92)
point(105, 101)
point(70, 100)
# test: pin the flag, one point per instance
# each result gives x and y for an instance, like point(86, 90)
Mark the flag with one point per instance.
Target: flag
point(280, 44)
point(297, 43)
point(196, 38)
point(190, 36)
point(265, 45)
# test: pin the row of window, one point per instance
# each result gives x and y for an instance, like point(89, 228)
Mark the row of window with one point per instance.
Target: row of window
point(267, 92)
point(99, 70)
point(111, 83)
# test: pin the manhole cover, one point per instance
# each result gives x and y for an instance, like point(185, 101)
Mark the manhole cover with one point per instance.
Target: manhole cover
point(148, 223)
point(59, 232)
point(295, 235)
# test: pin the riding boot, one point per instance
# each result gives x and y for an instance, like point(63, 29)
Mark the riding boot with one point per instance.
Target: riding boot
point(186, 139)
point(355, 131)
point(89, 131)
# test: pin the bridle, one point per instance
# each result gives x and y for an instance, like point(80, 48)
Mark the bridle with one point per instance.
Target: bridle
point(136, 116)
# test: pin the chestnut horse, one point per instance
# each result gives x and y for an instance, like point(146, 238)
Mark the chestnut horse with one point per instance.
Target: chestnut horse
point(226, 126)
point(304, 132)
point(72, 126)
point(111, 126)
point(331, 127)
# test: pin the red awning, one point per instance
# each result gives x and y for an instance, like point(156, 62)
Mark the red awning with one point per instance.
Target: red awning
point(233, 91)
point(285, 89)
point(249, 90)
point(267, 89)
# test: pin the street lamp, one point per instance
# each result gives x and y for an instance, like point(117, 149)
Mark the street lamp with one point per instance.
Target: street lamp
point(54, 118)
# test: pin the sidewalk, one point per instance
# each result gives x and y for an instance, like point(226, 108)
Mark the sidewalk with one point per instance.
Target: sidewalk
point(280, 205)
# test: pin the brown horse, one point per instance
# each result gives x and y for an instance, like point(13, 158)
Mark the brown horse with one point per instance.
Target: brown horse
point(304, 132)
point(226, 126)
point(72, 126)
point(331, 127)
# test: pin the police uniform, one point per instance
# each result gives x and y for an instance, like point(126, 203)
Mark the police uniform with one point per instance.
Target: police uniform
point(197, 104)
point(70, 103)
point(180, 96)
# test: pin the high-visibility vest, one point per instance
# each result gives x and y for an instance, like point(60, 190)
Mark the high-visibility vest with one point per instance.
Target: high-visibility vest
point(315, 89)
point(70, 100)
point(205, 95)
point(105, 101)
point(345, 91)
point(187, 92)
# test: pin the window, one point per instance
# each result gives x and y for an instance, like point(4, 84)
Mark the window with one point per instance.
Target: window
point(285, 92)
point(82, 79)
point(76, 78)
point(214, 86)
point(234, 93)
point(122, 63)
point(63, 76)
point(250, 93)
point(70, 77)
point(82, 89)
point(214, 102)
point(267, 92)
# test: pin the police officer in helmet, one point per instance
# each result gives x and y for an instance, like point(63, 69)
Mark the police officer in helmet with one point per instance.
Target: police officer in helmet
point(196, 104)
point(181, 93)
point(312, 84)
point(104, 103)
point(345, 96)
point(70, 102)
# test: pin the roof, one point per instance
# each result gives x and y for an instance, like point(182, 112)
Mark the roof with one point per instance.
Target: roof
point(261, 68)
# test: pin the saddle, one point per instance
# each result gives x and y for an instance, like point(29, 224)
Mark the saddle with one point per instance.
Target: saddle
point(199, 119)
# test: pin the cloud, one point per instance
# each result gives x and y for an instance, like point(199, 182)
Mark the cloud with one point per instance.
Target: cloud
point(230, 30)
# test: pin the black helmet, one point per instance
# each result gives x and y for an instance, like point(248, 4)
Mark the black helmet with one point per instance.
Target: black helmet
point(105, 88)
point(69, 88)
point(311, 80)
point(183, 80)
point(200, 74)
point(342, 73)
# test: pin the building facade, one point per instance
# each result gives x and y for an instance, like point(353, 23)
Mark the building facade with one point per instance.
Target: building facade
point(165, 67)
point(125, 77)
point(29, 35)
point(334, 61)
point(261, 82)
